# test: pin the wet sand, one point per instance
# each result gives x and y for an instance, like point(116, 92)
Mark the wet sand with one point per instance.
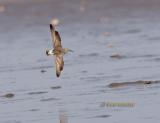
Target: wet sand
point(136, 83)
point(30, 92)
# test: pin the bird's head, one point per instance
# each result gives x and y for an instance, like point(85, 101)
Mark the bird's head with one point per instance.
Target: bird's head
point(49, 52)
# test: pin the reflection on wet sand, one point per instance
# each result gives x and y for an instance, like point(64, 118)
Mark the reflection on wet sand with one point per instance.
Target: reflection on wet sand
point(63, 117)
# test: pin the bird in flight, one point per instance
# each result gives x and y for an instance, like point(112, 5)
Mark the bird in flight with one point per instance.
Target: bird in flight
point(58, 51)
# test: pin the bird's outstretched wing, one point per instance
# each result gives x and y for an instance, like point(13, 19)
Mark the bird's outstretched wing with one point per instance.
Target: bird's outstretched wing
point(59, 64)
point(55, 37)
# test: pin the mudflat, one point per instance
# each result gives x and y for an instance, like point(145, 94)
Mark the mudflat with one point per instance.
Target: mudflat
point(114, 41)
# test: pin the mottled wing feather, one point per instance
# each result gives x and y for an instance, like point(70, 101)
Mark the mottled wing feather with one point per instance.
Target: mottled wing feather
point(55, 37)
point(57, 42)
point(59, 64)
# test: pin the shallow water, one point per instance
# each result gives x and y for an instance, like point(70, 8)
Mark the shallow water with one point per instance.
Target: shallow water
point(39, 96)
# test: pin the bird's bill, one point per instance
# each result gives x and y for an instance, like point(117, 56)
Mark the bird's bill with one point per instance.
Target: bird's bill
point(70, 50)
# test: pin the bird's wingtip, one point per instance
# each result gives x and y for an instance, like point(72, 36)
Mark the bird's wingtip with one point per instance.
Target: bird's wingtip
point(51, 26)
point(58, 74)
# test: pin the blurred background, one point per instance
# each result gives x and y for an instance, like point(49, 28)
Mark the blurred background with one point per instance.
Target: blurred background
point(113, 41)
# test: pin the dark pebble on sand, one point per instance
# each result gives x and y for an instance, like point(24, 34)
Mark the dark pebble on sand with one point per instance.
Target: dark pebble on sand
point(43, 71)
point(49, 99)
point(116, 56)
point(56, 87)
point(140, 82)
point(40, 92)
point(102, 116)
point(9, 95)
